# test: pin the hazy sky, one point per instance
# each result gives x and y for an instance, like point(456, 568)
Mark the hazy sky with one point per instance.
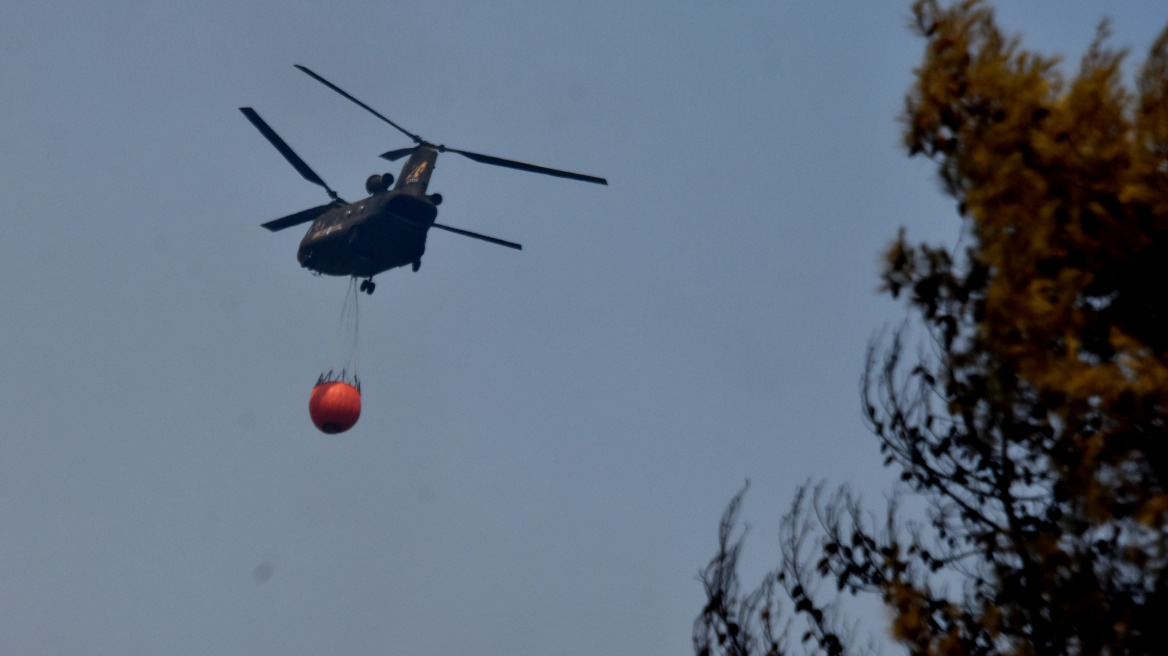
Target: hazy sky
point(548, 437)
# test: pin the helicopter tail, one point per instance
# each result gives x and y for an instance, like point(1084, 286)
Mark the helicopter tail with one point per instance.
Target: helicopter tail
point(417, 170)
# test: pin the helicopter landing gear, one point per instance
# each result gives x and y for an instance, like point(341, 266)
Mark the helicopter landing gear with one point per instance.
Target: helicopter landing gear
point(368, 286)
point(416, 265)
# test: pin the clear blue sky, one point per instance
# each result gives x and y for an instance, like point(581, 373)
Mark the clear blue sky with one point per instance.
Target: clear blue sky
point(548, 437)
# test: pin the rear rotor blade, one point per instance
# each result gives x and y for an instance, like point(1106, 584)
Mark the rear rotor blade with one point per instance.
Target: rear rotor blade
point(367, 108)
point(468, 233)
point(478, 157)
point(524, 166)
point(395, 155)
point(293, 159)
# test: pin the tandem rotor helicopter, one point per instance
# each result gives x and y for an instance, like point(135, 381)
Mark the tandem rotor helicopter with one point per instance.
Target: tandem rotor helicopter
point(388, 229)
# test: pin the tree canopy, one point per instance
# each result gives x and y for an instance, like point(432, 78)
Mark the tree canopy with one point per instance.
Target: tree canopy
point(1033, 423)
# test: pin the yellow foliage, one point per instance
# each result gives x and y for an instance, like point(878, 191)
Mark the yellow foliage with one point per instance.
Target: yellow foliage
point(909, 605)
point(1153, 511)
point(1063, 183)
point(1059, 182)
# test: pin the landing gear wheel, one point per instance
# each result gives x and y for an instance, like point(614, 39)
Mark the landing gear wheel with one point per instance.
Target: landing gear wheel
point(367, 286)
point(417, 265)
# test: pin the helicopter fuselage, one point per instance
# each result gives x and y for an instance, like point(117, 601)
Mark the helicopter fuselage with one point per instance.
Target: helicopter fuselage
point(384, 231)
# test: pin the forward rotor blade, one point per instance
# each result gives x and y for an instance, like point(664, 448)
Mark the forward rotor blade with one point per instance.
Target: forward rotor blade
point(468, 233)
point(303, 216)
point(524, 166)
point(300, 165)
point(367, 108)
point(395, 155)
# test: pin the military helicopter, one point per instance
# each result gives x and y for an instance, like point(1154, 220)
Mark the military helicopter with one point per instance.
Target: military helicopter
point(388, 229)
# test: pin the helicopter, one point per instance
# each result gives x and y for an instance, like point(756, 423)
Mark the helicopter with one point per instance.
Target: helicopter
point(387, 229)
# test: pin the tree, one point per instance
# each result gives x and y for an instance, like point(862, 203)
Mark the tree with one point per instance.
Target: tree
point(1033, 422)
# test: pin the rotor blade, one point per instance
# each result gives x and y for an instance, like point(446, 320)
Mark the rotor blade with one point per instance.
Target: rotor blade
point(468, 233)
point(524, 166)
point(367, 108)
point(303, 216)
point(395, 155)
point(287, 152)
